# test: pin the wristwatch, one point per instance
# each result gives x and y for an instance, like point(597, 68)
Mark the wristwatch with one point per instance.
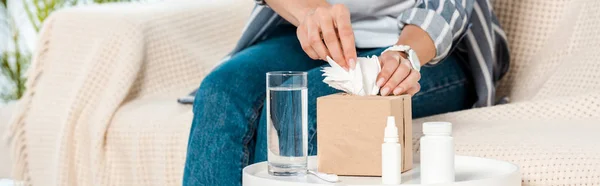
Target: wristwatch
point(260, 2)
point(412, 55)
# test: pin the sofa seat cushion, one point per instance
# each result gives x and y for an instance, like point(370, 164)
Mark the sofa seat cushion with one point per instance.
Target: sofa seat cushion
point(146, 142)
point(551, 152)
point(554, 141)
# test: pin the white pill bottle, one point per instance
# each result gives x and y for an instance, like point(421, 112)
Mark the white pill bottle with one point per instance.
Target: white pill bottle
point(437, 153)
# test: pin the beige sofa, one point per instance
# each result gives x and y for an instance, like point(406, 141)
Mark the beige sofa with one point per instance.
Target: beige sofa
point(100, 106)
point(5, 115)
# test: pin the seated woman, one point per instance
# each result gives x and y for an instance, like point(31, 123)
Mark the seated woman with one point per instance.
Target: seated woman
point(229, 125)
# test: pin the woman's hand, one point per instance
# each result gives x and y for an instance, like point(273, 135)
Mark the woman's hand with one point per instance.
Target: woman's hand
point(327, 31)
point(396, 76)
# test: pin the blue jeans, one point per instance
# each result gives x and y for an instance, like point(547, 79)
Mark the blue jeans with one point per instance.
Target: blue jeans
point(229, 126)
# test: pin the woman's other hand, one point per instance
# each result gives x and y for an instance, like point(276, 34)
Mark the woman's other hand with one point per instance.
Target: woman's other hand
point(396, 76)
point(327, 31)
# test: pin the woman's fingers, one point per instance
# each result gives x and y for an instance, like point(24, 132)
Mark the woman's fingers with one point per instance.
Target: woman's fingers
point(327, 31)
point(389, 64)
point(301, 32)
point(314, 35)
point(410, 81)
point(331, 38)
point(399, 76)
point(414, 89)
point(341, 19)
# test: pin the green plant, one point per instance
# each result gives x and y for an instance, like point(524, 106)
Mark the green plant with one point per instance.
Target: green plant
point(15, 60)
point(12, 62)
point(13, 67)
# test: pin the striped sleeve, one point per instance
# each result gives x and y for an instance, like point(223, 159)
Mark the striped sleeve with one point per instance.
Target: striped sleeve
point(443, 20)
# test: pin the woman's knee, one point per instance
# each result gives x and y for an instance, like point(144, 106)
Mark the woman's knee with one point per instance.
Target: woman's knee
point(212, 85)
point(228, 82)
point(221, 78)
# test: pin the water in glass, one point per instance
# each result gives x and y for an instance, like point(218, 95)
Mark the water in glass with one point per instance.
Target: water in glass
point(287, 130)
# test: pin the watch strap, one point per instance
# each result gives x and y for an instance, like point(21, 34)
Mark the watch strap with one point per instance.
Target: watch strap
point(411, 55)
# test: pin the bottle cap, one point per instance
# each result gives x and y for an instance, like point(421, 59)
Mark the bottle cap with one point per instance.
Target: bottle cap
point(437, 128)
point(391, 131)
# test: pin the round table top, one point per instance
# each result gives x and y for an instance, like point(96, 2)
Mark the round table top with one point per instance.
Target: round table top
point(470, 171)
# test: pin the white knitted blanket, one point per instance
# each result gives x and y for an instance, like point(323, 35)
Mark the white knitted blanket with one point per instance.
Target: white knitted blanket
point(91, 60)
point(96, 65)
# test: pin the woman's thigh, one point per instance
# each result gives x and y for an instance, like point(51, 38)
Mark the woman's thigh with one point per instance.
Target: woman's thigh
point(233, 93)
point(228, 103)
point(445, 87)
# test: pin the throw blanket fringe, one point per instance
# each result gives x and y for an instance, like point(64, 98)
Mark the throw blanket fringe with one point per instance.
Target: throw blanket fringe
point(17, 132)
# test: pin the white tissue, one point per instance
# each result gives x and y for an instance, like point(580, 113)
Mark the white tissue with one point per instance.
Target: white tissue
point(359, 81)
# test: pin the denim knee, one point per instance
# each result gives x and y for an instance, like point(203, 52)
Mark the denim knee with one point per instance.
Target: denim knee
point(210, 87)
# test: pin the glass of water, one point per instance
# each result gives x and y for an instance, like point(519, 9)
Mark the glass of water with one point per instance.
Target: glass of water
point(287, 127)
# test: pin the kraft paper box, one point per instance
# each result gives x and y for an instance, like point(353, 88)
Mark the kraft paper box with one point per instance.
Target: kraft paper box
point(350, 132)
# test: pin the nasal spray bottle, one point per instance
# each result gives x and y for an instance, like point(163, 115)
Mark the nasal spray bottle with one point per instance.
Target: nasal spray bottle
point(391, 155)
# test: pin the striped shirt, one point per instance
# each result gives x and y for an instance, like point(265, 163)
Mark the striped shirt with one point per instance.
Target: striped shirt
point(465, 26)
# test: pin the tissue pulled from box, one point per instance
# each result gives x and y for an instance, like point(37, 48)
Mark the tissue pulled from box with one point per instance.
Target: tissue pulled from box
point(358, 81)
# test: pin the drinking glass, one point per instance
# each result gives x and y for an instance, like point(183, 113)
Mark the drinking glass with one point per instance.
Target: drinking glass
point(287, 117)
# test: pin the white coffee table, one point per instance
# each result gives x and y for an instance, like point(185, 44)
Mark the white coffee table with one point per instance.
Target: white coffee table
point(470, 171)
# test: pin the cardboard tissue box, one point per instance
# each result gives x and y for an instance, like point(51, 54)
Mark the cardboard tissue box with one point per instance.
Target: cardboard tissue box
point(350, 132)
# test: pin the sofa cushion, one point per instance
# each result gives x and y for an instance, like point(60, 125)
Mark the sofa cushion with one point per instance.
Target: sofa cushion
point(549, 152)
point(6, 111)
point(146, 142)
point(554, 141)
